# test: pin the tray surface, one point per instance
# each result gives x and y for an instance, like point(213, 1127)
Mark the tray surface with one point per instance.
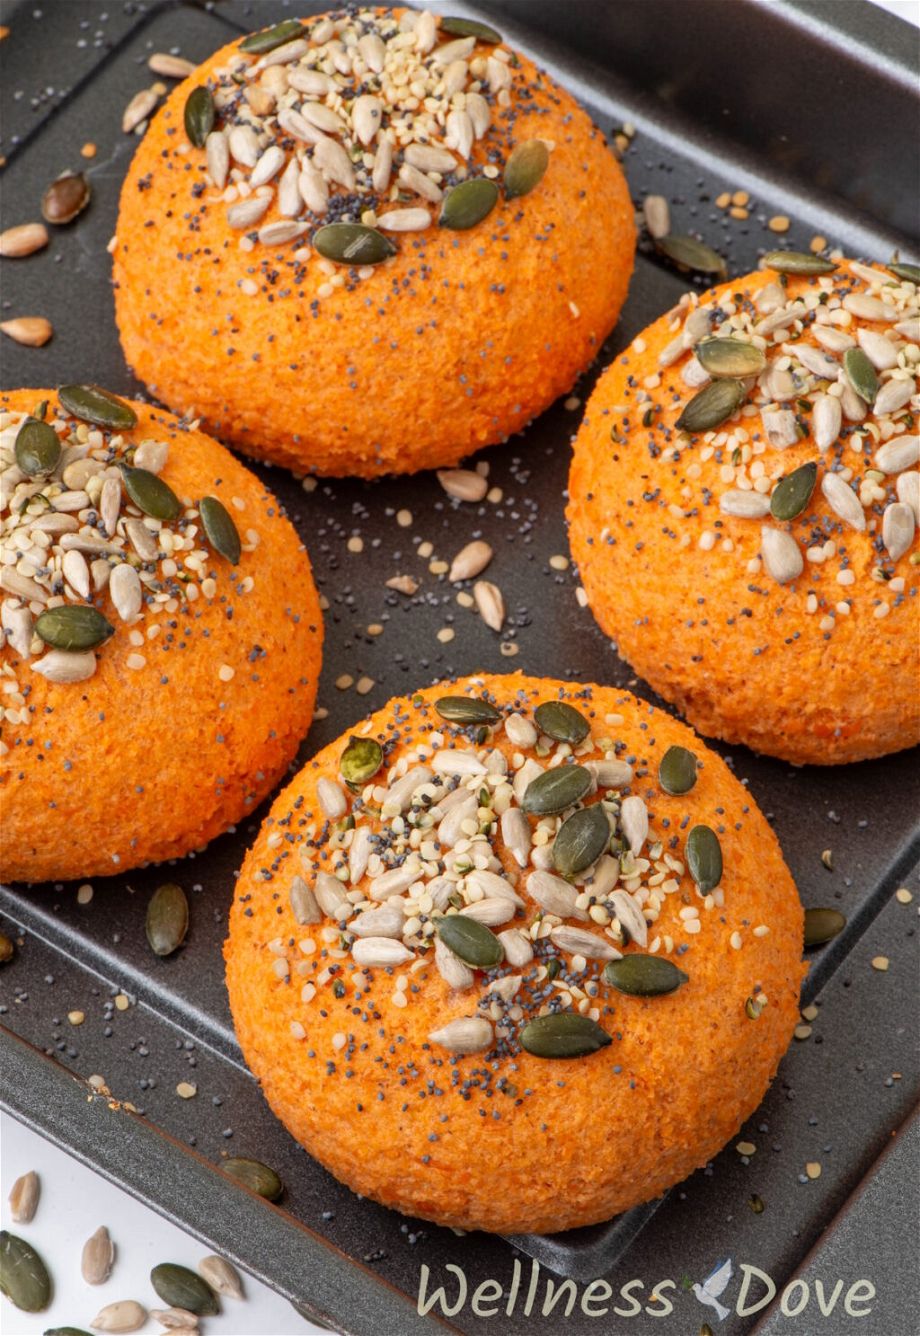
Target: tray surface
point(843, 1089)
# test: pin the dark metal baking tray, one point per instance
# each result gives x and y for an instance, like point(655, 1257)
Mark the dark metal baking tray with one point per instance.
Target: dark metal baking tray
point(779, 124)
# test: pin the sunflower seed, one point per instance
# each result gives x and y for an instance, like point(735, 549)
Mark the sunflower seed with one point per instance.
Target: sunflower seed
point(644, 976)
point(247, 212)
point(677, 771)
point(463, 484)
point(124, 1316)
point(630, 917)
point(516, 834)
point(330, 896)
point(793, 492)
point(898, 525)
point(170, 66)
point(335, 164)
point(17, 624)
point(897, 454)
point(404, 220)
point(267, 165)
point(908, 490)
point(814, 360)
point(138, 109)
point(62, 666)
point(580, 840)
point(73, 627)
point(563, 1034)
point(429, 159)
point(331, 798)
point(517, 946)
point(385, 921)
point(744, 505)
point(450, 967)
point(797, 262)
point(91, 403)
point(826, 420)
point(470, 1034)
point(634, 823)
point(421, 184)
point(383, 166)
point(782, 555)
point(689, 253)
point(98, 1257)
point(175, 1319)
point(578, 941)
point(352, 243)
point(33, 331)
point(380, 952)
point(880, 351)
point(860, 374)
point(470, 560)
point(450, 829)
point(704, 858)
point(399, 794)
point(865, 307)
point(221, 1276)
point(781, 427)
point(712, 406)
point(520, 731)
point(555, 790)
point(23, 1198)
point(843, 501)
point(142, 540)
point(451, 762)
point(730, 357)
point(893, 395)
point(822, 924)
point(657, 216)
point(24, 239)
point(554, 895)
point(470, 940)
point(479, 113)
point(562, 722)
point(180, 1287)
point(255, 1176)
point(312, 189)
point(494, 911)
point(468, 203)
point(490, 604)
point(303, 903)
point(373, 51)
point(460, 132)
point(781, 319)
point(65, 198)
point(832, 339)
point(610, 774)
point(125, 590)
point(268, 39)
point(289, 198)
point(37, 448)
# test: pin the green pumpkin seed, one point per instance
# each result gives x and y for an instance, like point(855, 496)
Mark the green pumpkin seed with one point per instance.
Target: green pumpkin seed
point(179, 1287)
point(66, 1331)
point(562, 722)
point(352, 243)
point(910, 272)
point(470, 28)
point(797, 262)
point(255, 1176)
point(38, 447)
point(580, 840)
point(643, 976)
point(41, 410)
point(473, 942)
point(361, 760)
point(221, 531)
point(6, 948)
point(563, 1034)
point(677, 771)
point(90, 403)
point(730, 357)
point(257, 43)
point(525, 168)
point(704, 858)
point(468, 203)
point(467, 710)
point(822, 924)
point(151, 494)
point(65, 198)
point(556, 789)
point(688, 253)
point(73, 626)
point(706, 1330)
point(712, 405)
point(167, 919)
point(199, 116)
point(24, 1277)
point(753, 1008)
point(793, 493)
point(860, 372)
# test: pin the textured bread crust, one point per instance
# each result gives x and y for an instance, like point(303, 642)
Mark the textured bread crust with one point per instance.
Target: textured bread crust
point(455, 344)
point(135, 766)
point(571, 1142)
point(742, 657)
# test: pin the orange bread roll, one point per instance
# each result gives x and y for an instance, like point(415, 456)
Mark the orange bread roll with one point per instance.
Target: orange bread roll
point(505, 928)
point(161, 636)
point(368, 243)
point(743, 509)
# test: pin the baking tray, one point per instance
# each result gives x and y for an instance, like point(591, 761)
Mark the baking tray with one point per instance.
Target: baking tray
point(794, 140)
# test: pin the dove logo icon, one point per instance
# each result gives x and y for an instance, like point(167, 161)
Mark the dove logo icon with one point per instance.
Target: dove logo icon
point(714, 1285)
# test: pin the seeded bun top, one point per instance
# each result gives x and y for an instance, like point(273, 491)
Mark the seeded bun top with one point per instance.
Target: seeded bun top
point(476, 941)
point(161, 636)
point(369, 242)
point(744, 503)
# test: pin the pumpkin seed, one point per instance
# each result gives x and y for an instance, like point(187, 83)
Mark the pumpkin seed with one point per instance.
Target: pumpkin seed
point(562, 722)
point(688, 253)
point(644, 976)
point(7, 950)
point(199, 116)
point(181, 1288)
point(66, 1331)
point(38, 447)
point(793, 493)
point(352, 243)
point(860, 372)
point(467, 710)
point(525, 168)
point(910, 272)
point(730, 357)
point(580, 840)
point(473, 942)
point(151, 494)
point(822, 924)
point(458, 27)
point(468, 203)
point(557, 789)
point(255, 1176)
point(257, 43)
point(361, 760)
point(711, 407)
point(73, 626)
point(222, 533)
point(753, 1008)
point(704, 858)
point(90, 403)
point(167, 919)
point(24, 1277)
point(65, 198)
point(797, 262)
point(563, 1034)
point(677, 771)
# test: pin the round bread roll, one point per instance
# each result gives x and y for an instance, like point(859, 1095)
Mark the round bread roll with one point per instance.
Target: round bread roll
point(743, 509)
point(348, 281)
point(503, 981)
point(161, 636)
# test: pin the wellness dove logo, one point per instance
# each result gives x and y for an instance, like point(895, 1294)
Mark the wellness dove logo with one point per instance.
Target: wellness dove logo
point(714, 1285)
